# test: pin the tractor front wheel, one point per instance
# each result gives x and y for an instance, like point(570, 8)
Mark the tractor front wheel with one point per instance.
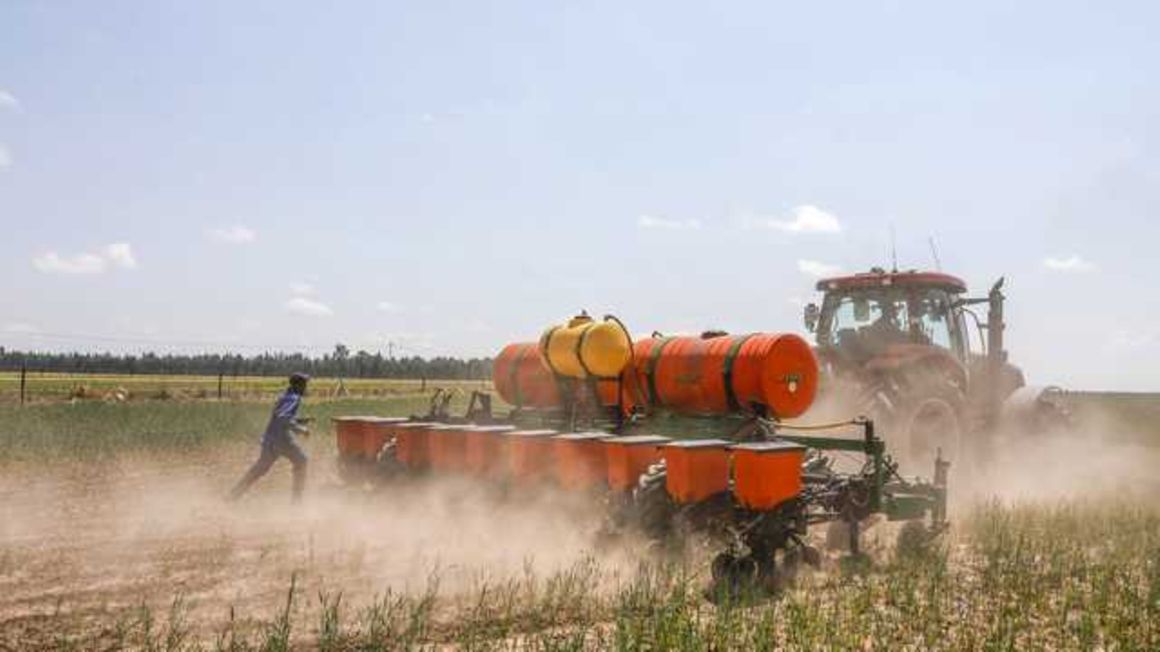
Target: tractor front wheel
point(652, 508)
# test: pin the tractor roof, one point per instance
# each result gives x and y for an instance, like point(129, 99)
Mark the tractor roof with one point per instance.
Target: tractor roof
point(878, 278)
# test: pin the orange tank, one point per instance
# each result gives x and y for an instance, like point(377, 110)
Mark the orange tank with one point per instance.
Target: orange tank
point(719, 375)
point(522, 379)
point(411, 444)
point(766, 474)
point(696, 469)
point(629, 457)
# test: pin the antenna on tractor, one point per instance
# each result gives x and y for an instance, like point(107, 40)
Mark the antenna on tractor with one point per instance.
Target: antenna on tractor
point(893, 250)
point(934, 254)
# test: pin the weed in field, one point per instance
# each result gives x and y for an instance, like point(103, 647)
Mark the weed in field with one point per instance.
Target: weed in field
point(1072, 576)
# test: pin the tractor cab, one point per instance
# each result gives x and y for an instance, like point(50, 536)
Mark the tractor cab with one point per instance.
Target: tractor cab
point(907, 334)
point(864, 316)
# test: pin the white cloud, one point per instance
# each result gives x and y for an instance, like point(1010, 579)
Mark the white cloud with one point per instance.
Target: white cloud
point(387, 306)
point(120, 254)
point(653, 222)
point(1068, 264)
point(301, 289)
point(236, 234)
point(8, 101)
point(817, 269)
point(53, 263)
point(804, 219)
point(310, 307)
point(5, 158)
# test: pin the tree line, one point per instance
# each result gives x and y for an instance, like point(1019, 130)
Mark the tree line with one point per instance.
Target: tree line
point(340, 363)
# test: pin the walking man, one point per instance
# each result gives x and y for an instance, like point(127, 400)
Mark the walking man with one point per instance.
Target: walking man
point(278, 440)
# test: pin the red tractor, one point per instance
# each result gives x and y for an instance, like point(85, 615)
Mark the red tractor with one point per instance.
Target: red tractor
point(910, 350)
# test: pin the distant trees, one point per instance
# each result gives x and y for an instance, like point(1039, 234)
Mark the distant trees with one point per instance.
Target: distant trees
point(340, 363)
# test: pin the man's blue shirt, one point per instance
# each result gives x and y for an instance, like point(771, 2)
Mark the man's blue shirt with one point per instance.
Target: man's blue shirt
point(283, 418)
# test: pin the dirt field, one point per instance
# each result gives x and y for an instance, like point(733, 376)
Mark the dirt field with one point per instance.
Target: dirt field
point(83, 546)
point(133, 546)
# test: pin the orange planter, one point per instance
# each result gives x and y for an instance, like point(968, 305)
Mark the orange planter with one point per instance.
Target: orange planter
point(696, 469)
point(725, 374)
point(348, 433)
point(529, 454)
point(448, 447)
point(766, 474)
point(580, 460)
point(483, 453)
point(629, 457)
point(411, 444)
point(377, 431)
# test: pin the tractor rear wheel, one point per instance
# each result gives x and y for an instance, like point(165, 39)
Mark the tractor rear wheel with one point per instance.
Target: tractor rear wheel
point(932, 423)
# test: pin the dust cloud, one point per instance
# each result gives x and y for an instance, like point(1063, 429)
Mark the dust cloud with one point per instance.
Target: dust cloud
point(88, 541)
point(1100, 454)
point(1098, 457)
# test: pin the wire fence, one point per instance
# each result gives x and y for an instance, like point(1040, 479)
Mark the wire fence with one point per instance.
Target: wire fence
point(28, 386)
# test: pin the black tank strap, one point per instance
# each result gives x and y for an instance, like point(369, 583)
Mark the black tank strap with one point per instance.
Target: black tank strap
point(650, 369)
point(727, 372)
point(580, 346)
point(545, 342)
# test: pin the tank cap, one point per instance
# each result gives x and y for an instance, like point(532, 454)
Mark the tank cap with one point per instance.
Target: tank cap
point(582, 318)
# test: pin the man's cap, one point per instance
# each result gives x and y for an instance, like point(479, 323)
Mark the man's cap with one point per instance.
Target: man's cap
point(298, 377)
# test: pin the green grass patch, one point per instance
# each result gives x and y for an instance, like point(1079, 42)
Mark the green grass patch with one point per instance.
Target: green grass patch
point(85, 430)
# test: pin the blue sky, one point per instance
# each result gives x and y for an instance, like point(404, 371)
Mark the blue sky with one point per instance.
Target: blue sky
point(453, 176)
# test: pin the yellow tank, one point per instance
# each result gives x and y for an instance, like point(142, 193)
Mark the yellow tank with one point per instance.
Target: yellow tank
point(585, 348)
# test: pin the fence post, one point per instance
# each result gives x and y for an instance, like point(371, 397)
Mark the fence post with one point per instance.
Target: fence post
point(423, 387)
point(23, 377)
point(220, 375)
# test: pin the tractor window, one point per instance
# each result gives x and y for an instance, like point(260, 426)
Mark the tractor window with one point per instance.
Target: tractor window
point(937, 323)
point(880, 315)
point(867, 319)
point(933, 318)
